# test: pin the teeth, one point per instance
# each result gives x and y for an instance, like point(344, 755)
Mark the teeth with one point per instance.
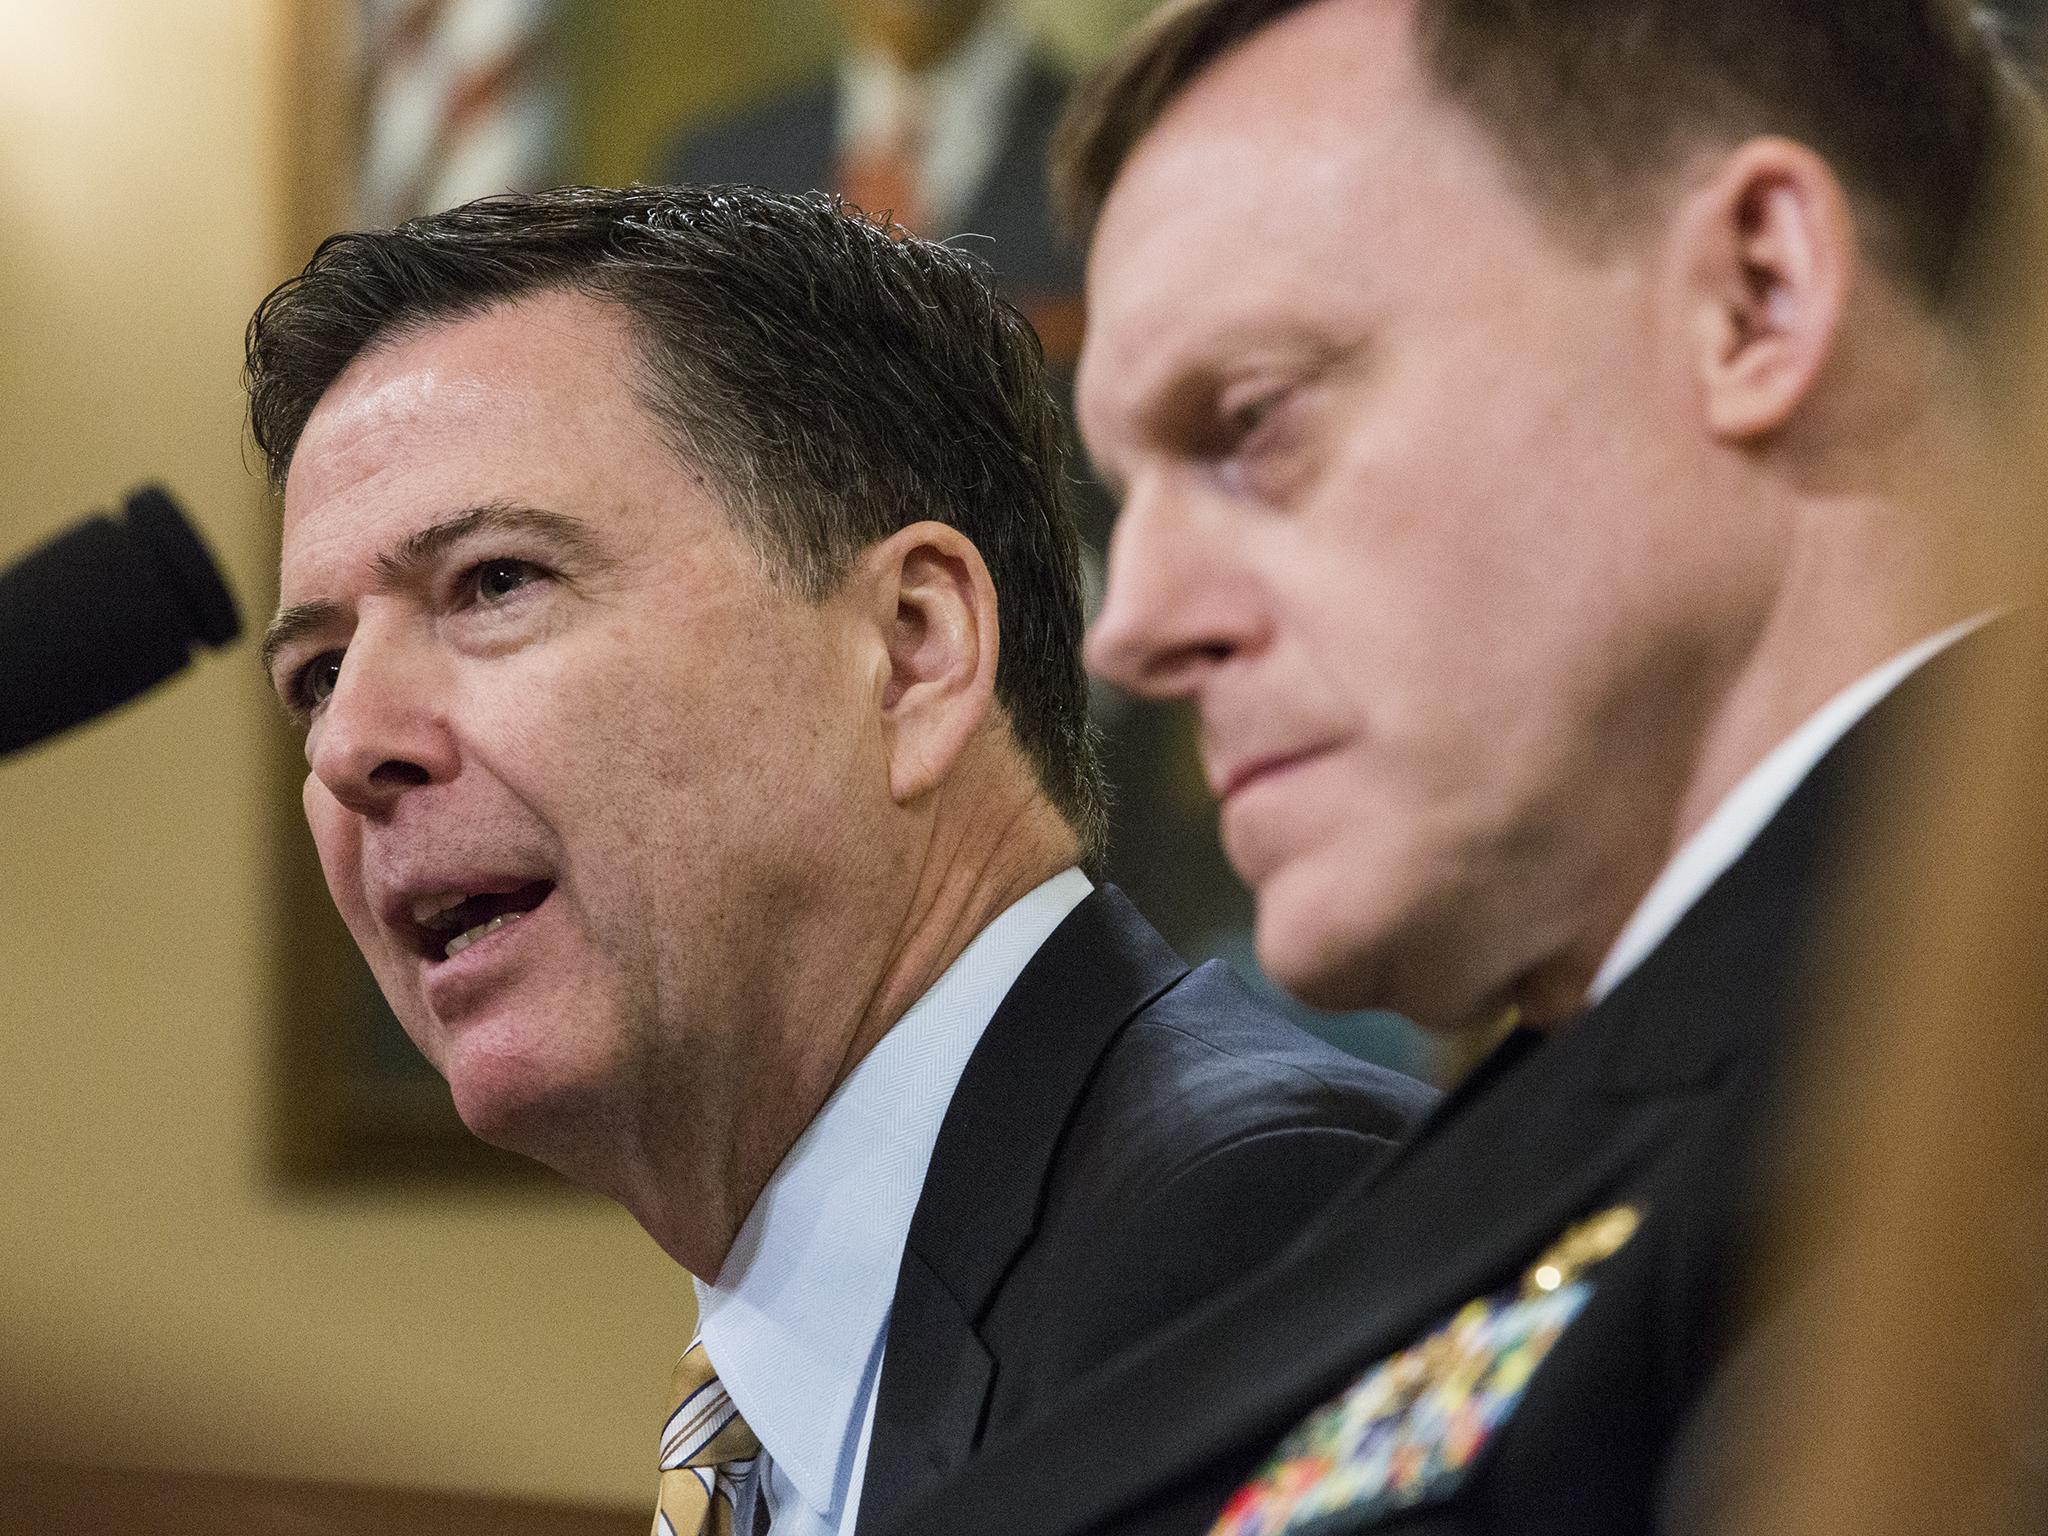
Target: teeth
point(463, 940)
point(427, 908)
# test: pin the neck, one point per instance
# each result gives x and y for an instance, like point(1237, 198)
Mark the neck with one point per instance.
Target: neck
point(1868, 574)
point(897, 939)
point(1868, 579)
point(1860, 531)
point(961, 889)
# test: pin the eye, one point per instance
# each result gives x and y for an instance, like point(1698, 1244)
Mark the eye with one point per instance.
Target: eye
point(1264, 440)
point(1245, 418)
point(492, 581)
point(314, 682)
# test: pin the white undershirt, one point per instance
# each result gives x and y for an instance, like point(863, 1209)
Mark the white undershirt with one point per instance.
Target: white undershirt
point(795, 1323)
point(1748, 808)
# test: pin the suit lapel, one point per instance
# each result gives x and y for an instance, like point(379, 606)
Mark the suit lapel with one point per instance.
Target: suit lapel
point(984, 1191)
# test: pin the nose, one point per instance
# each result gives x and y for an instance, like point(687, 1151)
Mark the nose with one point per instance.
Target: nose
point(384, 729)
point(1179, 602)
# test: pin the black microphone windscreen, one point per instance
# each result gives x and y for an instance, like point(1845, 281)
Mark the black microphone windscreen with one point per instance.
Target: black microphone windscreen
point(187, 569)
point(101, 613)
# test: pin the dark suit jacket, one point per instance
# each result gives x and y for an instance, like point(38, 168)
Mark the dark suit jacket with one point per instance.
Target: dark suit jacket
point(1128, 1139)
point(788, 144)
point(1660, 1099)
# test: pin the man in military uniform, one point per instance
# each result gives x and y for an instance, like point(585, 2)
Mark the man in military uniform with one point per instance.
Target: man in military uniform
point(1540, 432)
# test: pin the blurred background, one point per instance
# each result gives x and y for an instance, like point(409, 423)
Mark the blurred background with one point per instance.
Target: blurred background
point(241, 1233)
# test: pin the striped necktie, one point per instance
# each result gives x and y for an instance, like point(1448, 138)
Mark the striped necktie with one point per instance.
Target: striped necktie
point(707, 1453)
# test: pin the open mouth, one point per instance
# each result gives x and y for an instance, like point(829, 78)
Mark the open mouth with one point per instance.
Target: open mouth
point(446, 926)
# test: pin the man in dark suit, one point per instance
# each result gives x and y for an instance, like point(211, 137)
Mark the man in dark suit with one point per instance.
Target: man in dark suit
point(939, 115)
point(1545, 436)
point(699, 754)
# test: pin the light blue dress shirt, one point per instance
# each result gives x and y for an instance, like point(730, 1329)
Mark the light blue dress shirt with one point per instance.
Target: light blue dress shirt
point(796, 1320)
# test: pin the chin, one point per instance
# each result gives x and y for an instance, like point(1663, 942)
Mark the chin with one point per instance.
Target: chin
point(1308, 971)
point(518, 1104)
point(1313, 947)
point(1340, 943)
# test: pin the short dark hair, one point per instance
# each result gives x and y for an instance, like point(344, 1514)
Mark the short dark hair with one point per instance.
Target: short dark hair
point(1590, 100)
point(834, 380)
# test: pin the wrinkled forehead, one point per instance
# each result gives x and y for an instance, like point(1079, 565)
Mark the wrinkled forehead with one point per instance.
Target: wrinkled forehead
point(392, 402)
point(529, 402)
point(532, 358)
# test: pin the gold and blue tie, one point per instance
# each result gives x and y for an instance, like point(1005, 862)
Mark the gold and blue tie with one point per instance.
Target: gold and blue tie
point(707, 1452)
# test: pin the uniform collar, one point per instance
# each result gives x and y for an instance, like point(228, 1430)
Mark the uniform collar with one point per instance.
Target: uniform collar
point(1748, 808)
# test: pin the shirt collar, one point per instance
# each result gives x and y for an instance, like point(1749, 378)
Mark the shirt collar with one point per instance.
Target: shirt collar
point(796, 1319)
point(1749, 807)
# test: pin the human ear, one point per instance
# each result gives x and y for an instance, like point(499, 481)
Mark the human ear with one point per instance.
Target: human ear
point(933, 606)
point(1768, 251)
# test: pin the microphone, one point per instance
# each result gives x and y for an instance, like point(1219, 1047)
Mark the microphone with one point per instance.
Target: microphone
point(103, 612)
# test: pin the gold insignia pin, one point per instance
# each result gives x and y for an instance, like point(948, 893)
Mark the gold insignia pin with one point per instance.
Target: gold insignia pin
point(1583, 1245)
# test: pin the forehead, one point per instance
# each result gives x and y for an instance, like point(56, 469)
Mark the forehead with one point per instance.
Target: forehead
point(1298, 181)
point(529, 402)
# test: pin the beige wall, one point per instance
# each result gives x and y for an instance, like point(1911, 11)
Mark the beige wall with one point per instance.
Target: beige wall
point(161, 1302)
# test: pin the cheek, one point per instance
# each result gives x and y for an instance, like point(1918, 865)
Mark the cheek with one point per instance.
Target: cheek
point(337, 838)
point(653, 754)
point(1456, 562)
point(556, 739)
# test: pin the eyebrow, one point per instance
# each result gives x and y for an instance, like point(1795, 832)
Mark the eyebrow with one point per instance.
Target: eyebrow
point(291, 625)
point(403, 565)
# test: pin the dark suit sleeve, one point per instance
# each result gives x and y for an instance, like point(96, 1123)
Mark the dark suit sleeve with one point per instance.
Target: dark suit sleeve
point(1212, 1224)
point(1146, 1258)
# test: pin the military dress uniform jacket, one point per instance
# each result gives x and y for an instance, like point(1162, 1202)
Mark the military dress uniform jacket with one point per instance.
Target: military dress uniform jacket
point(1510, 1327)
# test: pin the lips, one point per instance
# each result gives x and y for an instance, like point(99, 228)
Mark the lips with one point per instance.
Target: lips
point(439, 920)
point(1231, 779)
